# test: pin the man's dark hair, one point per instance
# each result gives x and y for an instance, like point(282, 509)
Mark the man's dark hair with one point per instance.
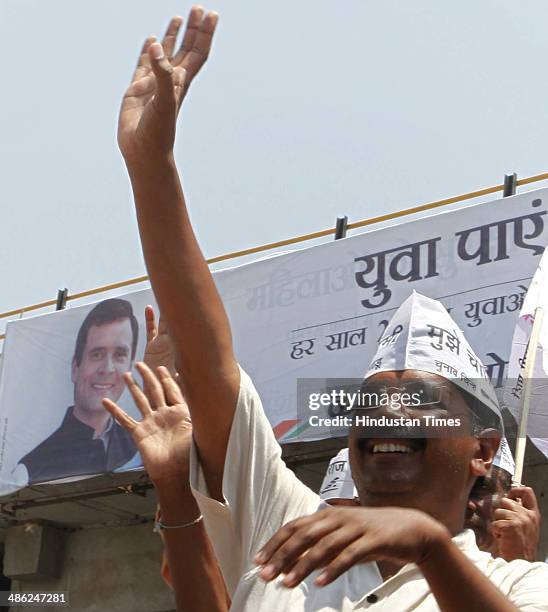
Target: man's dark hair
point(107, 311)
point(498, 481)
point(502, 478)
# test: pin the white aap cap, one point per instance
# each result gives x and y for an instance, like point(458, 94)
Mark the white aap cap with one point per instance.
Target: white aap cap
point(337, 482)
point(504, 459)
point(422, 336)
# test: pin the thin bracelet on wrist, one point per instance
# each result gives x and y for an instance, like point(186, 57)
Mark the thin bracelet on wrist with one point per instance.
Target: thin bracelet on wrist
point(159, 526)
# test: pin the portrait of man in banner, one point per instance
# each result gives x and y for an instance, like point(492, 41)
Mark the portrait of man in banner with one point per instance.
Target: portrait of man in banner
point(88, 440)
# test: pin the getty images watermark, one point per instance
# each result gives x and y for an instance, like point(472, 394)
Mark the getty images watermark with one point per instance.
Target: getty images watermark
point(419, 408)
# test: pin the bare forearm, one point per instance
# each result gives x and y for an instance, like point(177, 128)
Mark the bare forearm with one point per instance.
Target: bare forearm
point(458, 585)
point(192, 308)
point(195, 575)
point(180, 276)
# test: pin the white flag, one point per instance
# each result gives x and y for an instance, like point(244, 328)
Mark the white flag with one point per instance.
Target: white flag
point(537, 296)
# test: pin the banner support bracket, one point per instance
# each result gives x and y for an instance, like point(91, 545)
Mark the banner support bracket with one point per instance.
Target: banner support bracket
point(62, 295)
point(341, 227)
point(510, 185)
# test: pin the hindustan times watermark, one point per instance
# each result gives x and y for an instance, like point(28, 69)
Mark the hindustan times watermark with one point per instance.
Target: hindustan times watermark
point(411, 408)
point(361, 420)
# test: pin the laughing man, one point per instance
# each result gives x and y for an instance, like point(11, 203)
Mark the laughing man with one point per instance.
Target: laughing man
point(405, 548)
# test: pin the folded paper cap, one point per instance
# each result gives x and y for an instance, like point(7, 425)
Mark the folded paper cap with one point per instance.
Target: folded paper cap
point(422, 336)
point(504, 459)
point(337, 482)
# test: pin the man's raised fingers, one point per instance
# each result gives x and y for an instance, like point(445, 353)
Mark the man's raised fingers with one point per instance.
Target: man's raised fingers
point(143, 63)
point(153, 388)
point(165, 98)
point(193, 23)
point(137, 394)
point(171, 388)
point(195, 57)
point(170, 37)
point(150, 320)
point(120, 415)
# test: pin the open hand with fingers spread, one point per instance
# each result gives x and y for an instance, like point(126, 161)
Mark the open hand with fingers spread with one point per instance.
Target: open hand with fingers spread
point(164, 435)
point(146, 125)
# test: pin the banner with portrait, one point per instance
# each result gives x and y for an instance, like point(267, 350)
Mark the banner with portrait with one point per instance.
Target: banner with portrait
point(318, 312)
point(56, 369)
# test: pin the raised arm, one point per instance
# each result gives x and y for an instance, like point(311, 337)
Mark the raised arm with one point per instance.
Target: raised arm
point(180, 277)
point(163, 438)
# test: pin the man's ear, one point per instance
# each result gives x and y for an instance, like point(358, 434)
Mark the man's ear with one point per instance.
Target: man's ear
point(73, 371)
point(487, 445)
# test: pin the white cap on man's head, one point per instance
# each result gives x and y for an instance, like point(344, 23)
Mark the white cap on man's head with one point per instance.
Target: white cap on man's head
point(422, 336)
point(337, 482)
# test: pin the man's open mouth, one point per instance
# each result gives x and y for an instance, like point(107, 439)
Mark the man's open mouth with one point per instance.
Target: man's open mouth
point(409, 446)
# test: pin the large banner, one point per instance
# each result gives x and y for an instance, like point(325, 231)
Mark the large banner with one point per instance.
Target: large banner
point(314, 313)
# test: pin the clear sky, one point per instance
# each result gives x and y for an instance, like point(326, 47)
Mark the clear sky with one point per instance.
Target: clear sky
point(306, 110)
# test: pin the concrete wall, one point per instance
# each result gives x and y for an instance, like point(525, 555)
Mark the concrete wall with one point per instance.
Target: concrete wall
point(114, 569)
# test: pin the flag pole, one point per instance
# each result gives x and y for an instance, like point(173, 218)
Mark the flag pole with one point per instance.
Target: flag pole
point(529, 369)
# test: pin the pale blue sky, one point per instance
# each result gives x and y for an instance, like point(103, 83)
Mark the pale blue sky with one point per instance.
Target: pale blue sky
point(307, 110)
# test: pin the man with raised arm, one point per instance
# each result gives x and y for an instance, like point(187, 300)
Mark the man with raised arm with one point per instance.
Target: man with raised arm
point(410, 555)
point(183, 286)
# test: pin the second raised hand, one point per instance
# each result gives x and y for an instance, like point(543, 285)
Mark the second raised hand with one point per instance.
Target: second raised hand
point(159, 84)
point(164, 435)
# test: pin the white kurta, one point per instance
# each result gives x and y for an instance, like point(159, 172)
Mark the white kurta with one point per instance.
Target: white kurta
point(262, 494)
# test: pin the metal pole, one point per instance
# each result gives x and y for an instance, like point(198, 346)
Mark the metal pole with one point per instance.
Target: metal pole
point(62, 295)
point(510, 184)
point(340, 228)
